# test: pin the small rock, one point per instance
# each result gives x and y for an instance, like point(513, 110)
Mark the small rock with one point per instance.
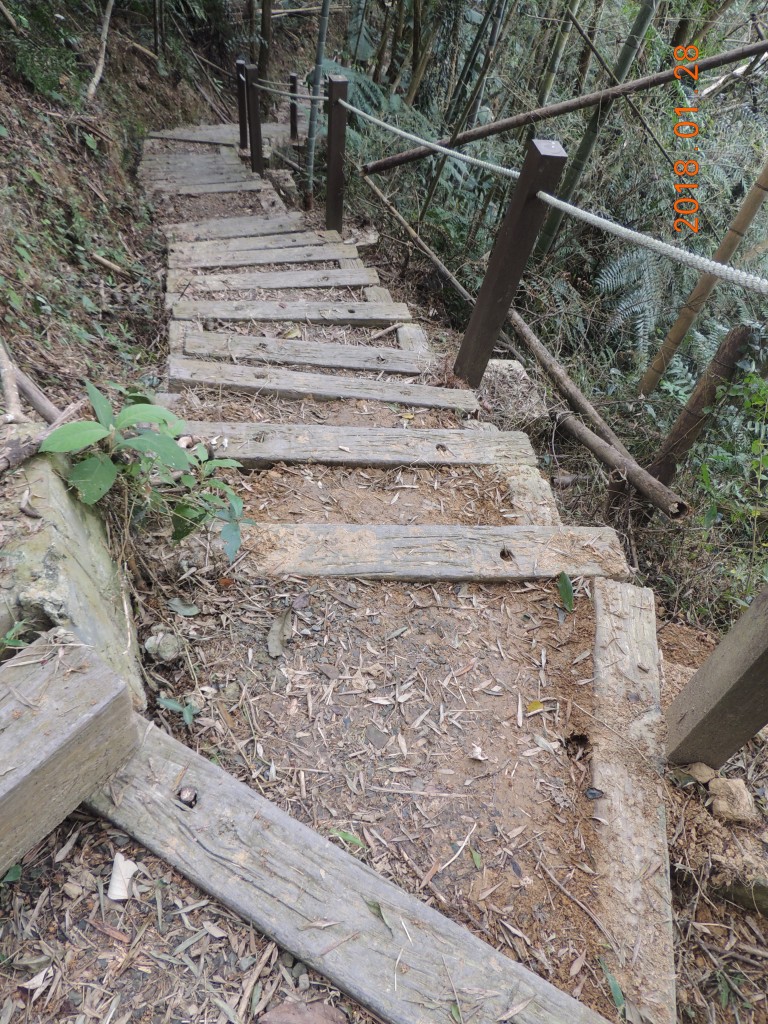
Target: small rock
point(376, 737)
point(298, 969)
point(701, 772)
point(733, 801)
point(287, 959)
point(303, 983)
point(164, 647)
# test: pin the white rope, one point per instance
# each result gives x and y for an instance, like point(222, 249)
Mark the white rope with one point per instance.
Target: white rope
point(452, 154)
point(298, 98)
point(688, 259)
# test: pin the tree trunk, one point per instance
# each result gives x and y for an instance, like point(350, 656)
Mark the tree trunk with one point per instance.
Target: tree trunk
point(421, 69)
point(585, 60)
point(695, 302)
point(397, 41)
point(500, 23)
point(317, 82)
point(701, 33)
point(252, 30)
point(378, 67)
point(579, 163)
point(548, 78)
point(265, 49)
point(697, 411)
point(460, 89)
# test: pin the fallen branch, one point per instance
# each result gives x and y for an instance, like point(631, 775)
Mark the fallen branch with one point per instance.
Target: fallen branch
point(602, 442)
point(36, 398)
point(16, 452)
point(93, 85)
point(10, 19)
point(13, 411)
point(109, 265)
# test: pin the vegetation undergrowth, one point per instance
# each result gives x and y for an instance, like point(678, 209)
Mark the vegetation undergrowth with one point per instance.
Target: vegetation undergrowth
point(600, 306)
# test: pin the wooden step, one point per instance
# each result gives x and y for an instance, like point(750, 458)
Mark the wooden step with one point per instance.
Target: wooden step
point(361, 314)
point(323, 904)
point(65, 725)
point(193, 179)
point(412, 338)
point(232, 227)
point(178, 282)
point(453, 553)
point(247, 348)
point(183, 372)
point(190, 253)
point(235, 185)
point(330, 253)
point(262, 444)
point(224, 134)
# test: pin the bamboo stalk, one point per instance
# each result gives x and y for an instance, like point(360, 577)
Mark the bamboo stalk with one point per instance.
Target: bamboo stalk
point(99, 71)
point(565, 107)
point(694, 304)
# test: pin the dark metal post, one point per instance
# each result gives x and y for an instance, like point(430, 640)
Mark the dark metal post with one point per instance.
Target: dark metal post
point(254, 118)
point(242, 102)
point(511, 251)
point(294, 80)
point(337, 131)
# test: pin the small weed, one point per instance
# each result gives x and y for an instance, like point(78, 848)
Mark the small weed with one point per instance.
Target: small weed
point(13, 639)
point(138, 446)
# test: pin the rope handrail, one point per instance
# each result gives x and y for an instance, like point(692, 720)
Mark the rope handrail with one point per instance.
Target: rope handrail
point(302, 98)
point(688, 259)
point(452, 154)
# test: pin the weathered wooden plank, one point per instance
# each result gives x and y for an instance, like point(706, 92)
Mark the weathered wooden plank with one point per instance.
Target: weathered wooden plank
point(232, 227)
point(191, 284)
point(173, 165)
point(726, 702)
point(251, 185)
point(630, 854)
point(281, 383)
point(378, 294)
point(262, 444)
point(412, 338)
point(223, 247)
point(378, 944)
point(295, 352)
point(485, 553)
point(193, 178)
point(223, 134)
point(362, 314)
point(65, 725)
point(530, 496)
point(257, 257)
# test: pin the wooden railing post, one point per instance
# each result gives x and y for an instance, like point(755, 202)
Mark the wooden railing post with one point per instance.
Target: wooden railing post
point(337, 131)
point(725, 703)
point(511, 251)
point(294, 90)
point(254, 118)
point(242, 102)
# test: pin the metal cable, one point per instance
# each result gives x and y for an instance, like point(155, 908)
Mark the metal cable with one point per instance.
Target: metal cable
point(687, 259)
point(452, 154)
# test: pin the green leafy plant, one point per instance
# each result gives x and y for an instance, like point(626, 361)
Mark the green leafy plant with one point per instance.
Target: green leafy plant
point(187, 710)
point(13, 639)
point(138, 445)
point(13, 874)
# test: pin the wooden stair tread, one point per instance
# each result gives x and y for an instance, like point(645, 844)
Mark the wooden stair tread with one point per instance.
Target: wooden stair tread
point(65, 725)
point(246, 243)
point(232, 227)
point(329, 252)
point(271, 380)
point(243, 850)
point(235, 185)
point(191, 284)
point(293, 351)
point(263, 444)
point(363, 314)
point(480, 553)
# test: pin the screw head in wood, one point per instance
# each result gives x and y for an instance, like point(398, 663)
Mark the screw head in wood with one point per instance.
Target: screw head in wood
point(188, 796)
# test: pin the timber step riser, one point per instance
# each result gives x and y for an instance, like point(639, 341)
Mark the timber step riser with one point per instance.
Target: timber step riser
point(360, 314)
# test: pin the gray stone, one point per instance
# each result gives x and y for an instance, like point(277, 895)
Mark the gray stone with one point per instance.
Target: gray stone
point(733, 801)
point(164, 647)
point(701, 772)
point(298, 969)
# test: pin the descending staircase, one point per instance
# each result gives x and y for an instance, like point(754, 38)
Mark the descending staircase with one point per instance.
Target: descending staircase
point(241, 326)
